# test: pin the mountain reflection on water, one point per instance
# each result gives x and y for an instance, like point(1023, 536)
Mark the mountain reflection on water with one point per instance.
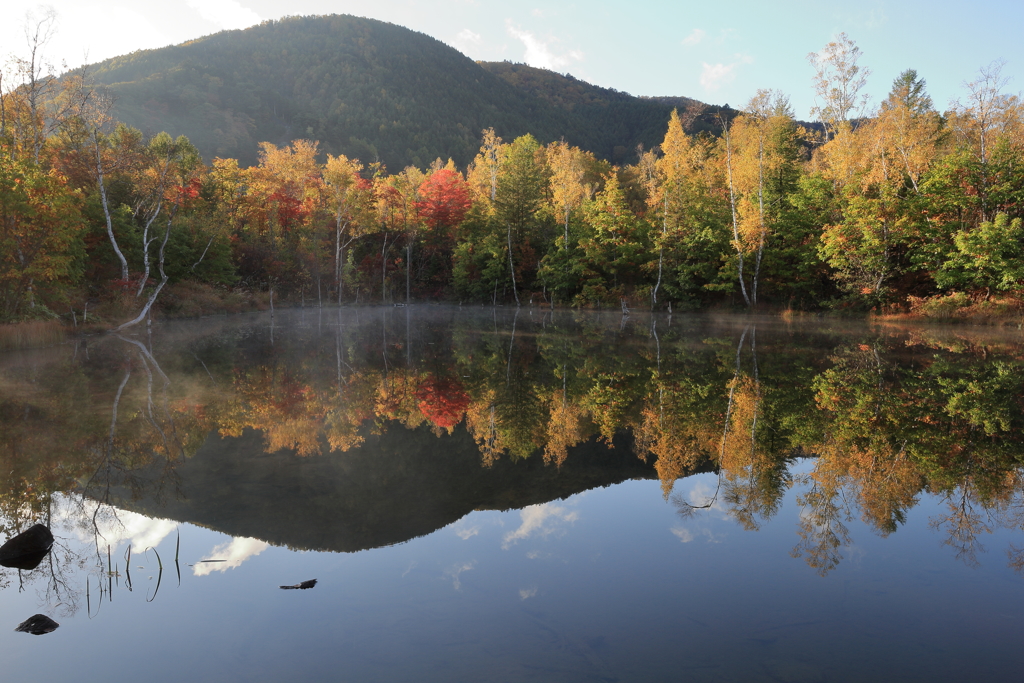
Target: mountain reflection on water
point(354, 429)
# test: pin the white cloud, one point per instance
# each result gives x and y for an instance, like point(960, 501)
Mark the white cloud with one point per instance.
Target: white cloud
point(117, 526)
point(712, 537)
point(714, 76)
point(467, 36)
point(235, 553)
point(525, 593)
point(144, 532)
point(702, 493)
point(686, 535)
point(695, 37)
point(455, 570)
point(466, 534)
point(467, 40)
point(539, 52)
point(540, 520)
point(226, 14)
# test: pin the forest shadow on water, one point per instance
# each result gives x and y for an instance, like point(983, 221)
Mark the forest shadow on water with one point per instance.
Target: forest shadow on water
point(520, 494)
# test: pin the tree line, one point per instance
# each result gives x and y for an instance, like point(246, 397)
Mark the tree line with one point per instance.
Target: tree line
point(905, 207)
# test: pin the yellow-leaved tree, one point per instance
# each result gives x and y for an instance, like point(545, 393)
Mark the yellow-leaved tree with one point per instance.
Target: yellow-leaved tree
point(679, 185)
point(761, 158)
point(568, 166)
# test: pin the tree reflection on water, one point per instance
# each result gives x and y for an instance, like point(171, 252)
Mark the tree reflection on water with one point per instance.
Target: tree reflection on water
point(407, 419)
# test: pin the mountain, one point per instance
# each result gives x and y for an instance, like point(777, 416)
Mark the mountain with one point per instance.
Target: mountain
point(367, 89)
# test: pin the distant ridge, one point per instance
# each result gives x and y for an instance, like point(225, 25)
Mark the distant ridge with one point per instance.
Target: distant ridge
point(609, 116)
point(367, 89)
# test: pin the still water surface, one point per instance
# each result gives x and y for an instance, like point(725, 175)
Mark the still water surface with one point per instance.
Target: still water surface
point(486, 495)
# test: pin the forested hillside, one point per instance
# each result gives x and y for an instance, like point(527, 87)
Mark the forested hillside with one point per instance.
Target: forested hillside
point(363, 88)
point(908, 208)
point(607, 116)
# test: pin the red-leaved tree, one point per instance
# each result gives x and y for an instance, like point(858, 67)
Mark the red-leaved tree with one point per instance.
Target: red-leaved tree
point(444, 199)
point(443, 202)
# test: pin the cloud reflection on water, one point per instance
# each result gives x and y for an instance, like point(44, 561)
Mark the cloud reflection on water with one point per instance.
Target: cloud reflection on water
point(456, 570)
point(539, 520)
point(234, 553)
point(115, 526)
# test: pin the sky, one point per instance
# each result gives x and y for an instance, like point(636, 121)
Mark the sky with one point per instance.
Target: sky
point(710, 51)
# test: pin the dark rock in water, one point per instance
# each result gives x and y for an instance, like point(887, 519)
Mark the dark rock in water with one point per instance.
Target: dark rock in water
point(37, 625)
point(304, 585)
point(27, 562)
point(27, 549)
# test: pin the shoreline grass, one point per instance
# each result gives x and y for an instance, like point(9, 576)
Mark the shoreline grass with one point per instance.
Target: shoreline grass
point(957, 308)
point(31, 334)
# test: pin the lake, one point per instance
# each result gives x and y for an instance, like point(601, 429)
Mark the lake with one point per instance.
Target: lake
point(493, 494)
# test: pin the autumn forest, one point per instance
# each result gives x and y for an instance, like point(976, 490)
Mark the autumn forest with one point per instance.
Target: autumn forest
point(900, 208)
